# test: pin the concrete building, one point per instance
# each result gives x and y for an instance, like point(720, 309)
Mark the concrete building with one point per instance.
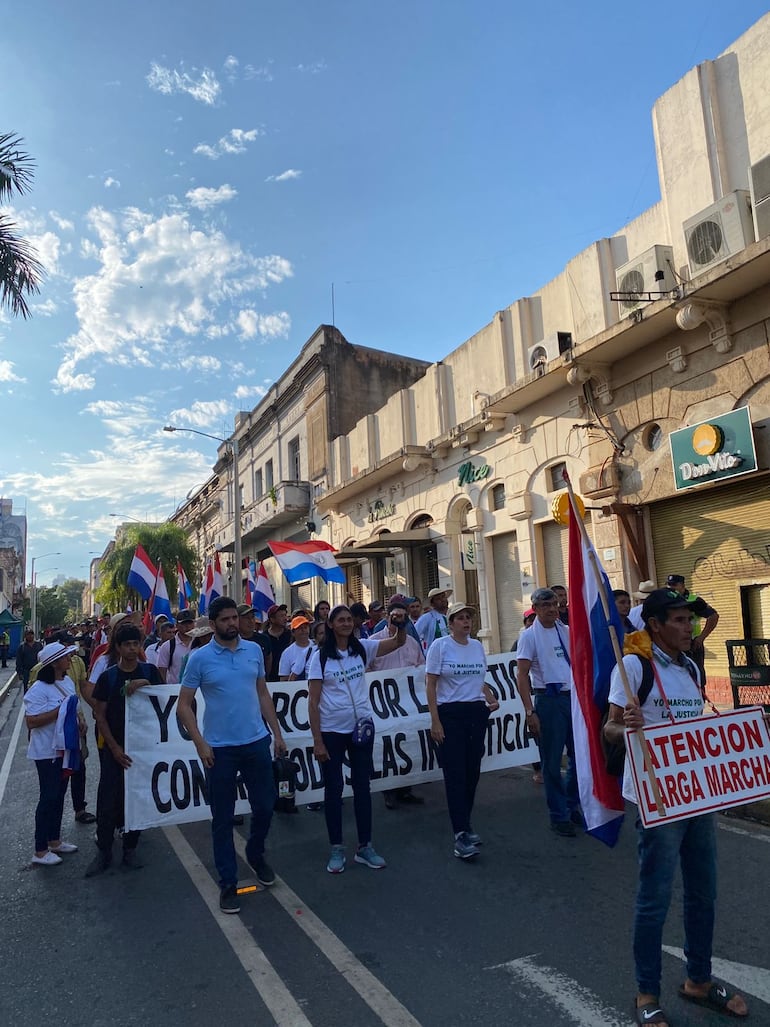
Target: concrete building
point(13, 557)
point(659, 327)
point(284, 454)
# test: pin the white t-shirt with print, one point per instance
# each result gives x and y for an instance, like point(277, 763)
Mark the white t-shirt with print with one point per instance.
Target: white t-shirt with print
point(460, 669)
point(547, 650)
point(341, 678)
point(684, 697)
point(42, 698)
point(295, 659)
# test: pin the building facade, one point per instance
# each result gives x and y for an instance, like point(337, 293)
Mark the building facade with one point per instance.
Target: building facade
point(13, 557)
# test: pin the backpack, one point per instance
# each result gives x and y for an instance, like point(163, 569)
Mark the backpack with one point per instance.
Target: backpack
point(615, 752)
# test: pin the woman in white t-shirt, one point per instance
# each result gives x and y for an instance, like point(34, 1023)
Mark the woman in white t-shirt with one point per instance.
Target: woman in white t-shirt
point(460, 702)
point(42, 703)
point(338, 696)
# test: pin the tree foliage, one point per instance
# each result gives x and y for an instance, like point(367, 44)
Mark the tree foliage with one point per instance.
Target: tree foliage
point(72, 591)
point(20, 271)
point(52, 608)
point(163, 543)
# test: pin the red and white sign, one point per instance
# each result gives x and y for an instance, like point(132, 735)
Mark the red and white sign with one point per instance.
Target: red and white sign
point(702, 765)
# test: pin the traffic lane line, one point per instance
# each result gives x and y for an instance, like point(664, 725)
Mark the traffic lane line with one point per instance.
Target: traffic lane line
point(382, 1002)
point(758, 834)
point(5, 770)
point(754, 980)
point(577, 1002)
point(266, 982)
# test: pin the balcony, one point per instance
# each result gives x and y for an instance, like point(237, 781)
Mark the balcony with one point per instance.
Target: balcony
point(288, 501)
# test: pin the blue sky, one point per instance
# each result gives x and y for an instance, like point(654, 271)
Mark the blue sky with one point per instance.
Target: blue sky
point(205, 173)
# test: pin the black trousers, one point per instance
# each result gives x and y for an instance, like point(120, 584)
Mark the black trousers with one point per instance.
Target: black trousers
point(465, 728)
point(110, 805)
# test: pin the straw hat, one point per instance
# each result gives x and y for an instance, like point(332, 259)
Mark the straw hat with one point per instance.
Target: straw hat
point(645, 587)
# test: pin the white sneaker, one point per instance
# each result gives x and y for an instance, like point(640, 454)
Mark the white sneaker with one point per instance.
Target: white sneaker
point(49, 860)
point(65, 847)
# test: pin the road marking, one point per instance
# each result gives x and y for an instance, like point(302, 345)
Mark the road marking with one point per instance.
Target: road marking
point(374, 993)
point(271, 989)
point(580, 1004)
point(753, 979)
point(5, 770)
point(758, 835)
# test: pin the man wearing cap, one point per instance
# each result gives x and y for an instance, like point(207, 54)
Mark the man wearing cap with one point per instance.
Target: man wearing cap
point(376, 610)
point(690, 843)
point(701, 611)
point(406, 602)
point(238, 721)
point(544, 672)
point(164, 632)
point(276, 637)
point(249, 628)
point(296, 657)
point(433, 623)
point(409, 655)
point(171, 654)
point(635, 613)
point(151, 639)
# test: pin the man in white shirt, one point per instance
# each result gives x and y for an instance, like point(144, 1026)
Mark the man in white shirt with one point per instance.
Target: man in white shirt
point(172, 653)
point(635, 613)
point(544, 671)
point(433, 623)
point(165, 632)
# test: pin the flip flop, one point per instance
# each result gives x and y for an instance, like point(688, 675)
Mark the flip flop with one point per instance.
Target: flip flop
point(716, 998)
point(650, 1012)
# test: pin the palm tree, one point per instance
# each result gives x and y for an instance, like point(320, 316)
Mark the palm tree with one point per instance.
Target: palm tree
point(20, 271)
point(165, 543)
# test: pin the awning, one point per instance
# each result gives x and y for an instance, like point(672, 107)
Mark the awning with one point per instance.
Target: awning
point(384, 543)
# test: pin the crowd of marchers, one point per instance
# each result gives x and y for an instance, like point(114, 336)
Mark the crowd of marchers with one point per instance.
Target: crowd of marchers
point(234, 659)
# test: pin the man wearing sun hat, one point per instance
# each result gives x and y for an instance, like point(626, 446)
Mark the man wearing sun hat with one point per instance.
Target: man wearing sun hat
point(635, 613)
point(433, 623)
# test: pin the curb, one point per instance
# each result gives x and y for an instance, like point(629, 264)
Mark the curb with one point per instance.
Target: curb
point(5, 689)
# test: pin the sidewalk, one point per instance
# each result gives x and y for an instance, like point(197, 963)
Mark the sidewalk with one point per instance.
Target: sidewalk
point(7, 679)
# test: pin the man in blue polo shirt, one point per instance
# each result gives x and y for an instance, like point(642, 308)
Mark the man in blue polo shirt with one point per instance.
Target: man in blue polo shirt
point(230, 673)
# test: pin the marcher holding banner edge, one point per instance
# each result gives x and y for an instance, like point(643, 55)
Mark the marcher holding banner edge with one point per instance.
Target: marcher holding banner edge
point(676, 695)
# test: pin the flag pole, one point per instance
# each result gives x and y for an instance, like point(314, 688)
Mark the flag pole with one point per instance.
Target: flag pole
point(645, 745)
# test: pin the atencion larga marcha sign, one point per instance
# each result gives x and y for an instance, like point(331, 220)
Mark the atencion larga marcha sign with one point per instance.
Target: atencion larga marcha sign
point(702, 765)
point(166, 783)
point(712, 450)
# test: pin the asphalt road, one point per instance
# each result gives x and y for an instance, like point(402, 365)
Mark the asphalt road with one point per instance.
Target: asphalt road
point(535, 933)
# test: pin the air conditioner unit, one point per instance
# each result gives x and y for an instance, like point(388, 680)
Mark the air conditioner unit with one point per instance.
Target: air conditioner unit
point(719, 231)
point(548, 349)
point(638, 276)
point(601, 479)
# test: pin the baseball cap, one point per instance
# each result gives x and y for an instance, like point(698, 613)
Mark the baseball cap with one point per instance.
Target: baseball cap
point(675, 579)
point(276, 607)
point(244, 608)
point(298, 621)
point(375, 606)
point(663, 599)
point(528, 613)
point(185, 617)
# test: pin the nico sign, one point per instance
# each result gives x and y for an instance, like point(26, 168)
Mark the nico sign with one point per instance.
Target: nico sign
point(722, 447)
point(702, 765)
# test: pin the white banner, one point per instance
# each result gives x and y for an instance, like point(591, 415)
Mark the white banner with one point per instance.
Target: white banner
point(166, 783)
point(702, 765)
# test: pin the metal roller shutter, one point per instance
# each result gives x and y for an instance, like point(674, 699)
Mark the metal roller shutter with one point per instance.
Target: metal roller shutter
point(505, 557)
point(555, 540)
point(719, 541)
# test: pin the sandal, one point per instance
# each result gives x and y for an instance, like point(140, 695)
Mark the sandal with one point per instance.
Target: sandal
point(716, 998)
point(650, 1012)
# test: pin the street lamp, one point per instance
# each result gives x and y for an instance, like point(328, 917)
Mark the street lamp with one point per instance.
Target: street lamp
point(33, 598)
point(232, 442)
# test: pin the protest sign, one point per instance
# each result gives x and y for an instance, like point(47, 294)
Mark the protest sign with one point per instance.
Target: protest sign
point(702, 765)
point(166, 782)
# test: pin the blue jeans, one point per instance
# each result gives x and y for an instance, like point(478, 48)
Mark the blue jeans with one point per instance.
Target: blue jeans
point(692, 843)
point(359, 758)
point(561, 792)
point(50, 806)
point(465, 728)
point(255, 765)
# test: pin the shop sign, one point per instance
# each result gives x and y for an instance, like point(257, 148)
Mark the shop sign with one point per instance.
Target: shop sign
point(381, 511)
point(470, 472)
point(468, 552)
point(722, 447)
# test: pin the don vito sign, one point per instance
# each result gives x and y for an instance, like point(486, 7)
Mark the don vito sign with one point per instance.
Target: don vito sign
point(721, 447)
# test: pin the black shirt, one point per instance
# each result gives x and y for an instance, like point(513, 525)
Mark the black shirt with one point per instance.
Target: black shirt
point(275, 646)
point(109, 689)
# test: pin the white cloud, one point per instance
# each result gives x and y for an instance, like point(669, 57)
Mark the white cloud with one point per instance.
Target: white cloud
point(204, 198)
point(61, 223)
point(159, 279)
point(7, 373)
point(267, 326)
point(230, 68)
point(46, 309)
point(205, 88)
point(285, 176)
point(250, 391)
point(264, 72)
point(111, 183)
point(233, 141)
point(314, 68)
point(203, 412)
point(201, 363)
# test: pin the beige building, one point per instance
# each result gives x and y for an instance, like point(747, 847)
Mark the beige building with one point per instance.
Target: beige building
point(284, 448)
point(662, 326)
